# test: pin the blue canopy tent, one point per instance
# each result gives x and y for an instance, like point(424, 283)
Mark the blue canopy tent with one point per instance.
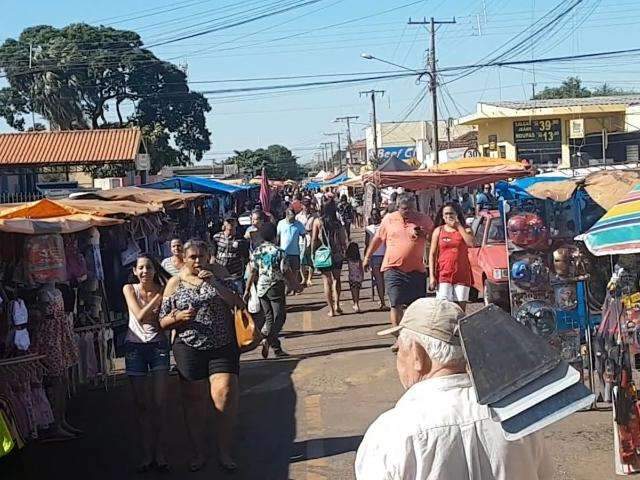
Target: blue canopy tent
point(315, 185)
point(200, 185)
point(517, 189)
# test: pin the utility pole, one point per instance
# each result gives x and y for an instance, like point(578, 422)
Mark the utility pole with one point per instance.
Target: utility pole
point(328, 160)
point(433, 77)
point(339, 147)
point(372, 93)
point(348, 120)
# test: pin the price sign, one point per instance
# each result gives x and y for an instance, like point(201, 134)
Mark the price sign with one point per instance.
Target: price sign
point(546, 131)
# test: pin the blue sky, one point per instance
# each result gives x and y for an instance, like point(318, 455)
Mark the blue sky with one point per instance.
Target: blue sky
point(298, 120)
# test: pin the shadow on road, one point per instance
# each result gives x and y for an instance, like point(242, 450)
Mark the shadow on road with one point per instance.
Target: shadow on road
point(298, 333)
point(328, 447)
point(357, 348)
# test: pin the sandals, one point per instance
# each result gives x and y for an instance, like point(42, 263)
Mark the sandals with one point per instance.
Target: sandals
point(229, 467)
point(197, 464)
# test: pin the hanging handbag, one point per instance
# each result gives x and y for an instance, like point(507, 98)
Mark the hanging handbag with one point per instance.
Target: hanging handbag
point(322, 258)
point(248, 336)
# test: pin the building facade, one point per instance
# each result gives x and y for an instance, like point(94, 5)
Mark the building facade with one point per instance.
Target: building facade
point(564, 133)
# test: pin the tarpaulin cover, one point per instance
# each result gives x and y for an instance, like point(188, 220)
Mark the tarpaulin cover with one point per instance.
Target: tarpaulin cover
point(47, 216)
point(618, 231)
point(517, 189)
point(343, 177)
point(105, 209)
point(169, 199)
point(394, 164)
point(466, 163)
point(198, 184)
point(424, 179)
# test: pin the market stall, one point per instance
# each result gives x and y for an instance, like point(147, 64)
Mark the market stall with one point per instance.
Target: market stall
point(52, 315)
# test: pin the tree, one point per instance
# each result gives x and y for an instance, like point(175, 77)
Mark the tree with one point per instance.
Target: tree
point(572, 88)
point(278, 160)
point(82, 77)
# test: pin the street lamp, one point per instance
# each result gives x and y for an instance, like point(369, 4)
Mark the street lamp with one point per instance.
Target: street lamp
point(368, 56)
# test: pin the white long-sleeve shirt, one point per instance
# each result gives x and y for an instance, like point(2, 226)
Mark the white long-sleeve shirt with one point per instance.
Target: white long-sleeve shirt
point(438, 431)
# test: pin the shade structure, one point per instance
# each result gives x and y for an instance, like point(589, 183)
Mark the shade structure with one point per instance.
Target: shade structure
point(47, 216)
point(168, 199)
point(618, 231)
point(335, 181)
point(394, 164)
point(466, 163)
point(425, 179)
point(199, 185)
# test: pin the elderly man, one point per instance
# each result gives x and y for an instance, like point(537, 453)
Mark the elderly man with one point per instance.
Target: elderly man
point(438, 431)
point(404, 232)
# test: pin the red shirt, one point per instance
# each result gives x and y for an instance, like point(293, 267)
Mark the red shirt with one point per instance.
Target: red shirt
point(453, 259)
point(404, 252)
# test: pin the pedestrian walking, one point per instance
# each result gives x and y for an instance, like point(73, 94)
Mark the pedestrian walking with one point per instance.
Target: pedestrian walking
point(356, 273)
point(289, 232)
point(449, 266)
point(404, 232)
point(198, 305)
point(269, 272)
point(329, 234)
point(147, 360)
point(230, 252)
point(174, 263)
point(346, 215)
point(258, 218)
point(377, 256)
point(438, 430)
point(306, 216)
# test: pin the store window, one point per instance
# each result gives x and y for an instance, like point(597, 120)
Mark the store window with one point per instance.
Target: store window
point(502, 151)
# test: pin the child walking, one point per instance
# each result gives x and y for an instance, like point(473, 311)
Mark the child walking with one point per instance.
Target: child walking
point(356, 274)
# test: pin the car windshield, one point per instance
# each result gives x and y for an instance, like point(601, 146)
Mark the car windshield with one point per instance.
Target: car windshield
point(496, 231)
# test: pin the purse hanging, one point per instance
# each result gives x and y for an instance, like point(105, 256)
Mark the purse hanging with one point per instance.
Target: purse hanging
point(322, 258)
point(248, 336)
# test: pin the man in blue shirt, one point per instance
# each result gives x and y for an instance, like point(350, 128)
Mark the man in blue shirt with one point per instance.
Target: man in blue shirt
point(484, 199)
point(289, 232)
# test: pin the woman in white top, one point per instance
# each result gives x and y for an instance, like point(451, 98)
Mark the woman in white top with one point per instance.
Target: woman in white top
point(378, 255)
point(147, 354)
point(174, 263)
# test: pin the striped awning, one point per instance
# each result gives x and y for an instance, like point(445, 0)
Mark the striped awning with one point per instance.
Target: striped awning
point(618, 231)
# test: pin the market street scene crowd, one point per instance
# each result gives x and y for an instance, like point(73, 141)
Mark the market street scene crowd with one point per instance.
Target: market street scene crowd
point(440, 294)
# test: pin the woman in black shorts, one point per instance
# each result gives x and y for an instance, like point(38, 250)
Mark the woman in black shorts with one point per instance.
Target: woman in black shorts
point(328, 231)
point(198, 306)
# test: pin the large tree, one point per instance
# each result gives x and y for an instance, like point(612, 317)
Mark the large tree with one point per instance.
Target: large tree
point(278, 160)
point(81, 77)
point(572, 87)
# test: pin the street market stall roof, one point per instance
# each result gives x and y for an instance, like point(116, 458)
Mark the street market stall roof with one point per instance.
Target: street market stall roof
point(606, 187)
point(198, 185)
point(518, 188)
point(466, 163)
point(335, 181)
point(47, 216)
point(394, 164)
point(618, 231)
point(69, 147)
point(425, 179)
point(169, 199)
point(103, 208)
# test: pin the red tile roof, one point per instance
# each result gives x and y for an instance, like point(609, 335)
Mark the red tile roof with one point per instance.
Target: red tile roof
point(69, 147)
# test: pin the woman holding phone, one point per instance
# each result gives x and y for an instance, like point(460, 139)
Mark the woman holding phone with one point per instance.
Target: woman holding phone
point(198, 305)
point(450, 270)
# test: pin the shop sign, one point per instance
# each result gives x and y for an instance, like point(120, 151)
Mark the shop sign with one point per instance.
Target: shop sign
point(143, 161)
point(402, 153)
point(576, 128)
point(545, 131)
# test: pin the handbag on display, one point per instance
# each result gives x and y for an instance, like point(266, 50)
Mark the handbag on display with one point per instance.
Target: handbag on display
point(248, 336)
point(322, 258)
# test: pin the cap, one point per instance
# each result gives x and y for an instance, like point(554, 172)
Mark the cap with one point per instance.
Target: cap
point(432, 317)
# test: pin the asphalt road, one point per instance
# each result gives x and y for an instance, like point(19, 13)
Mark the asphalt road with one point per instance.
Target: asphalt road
point(301, 418)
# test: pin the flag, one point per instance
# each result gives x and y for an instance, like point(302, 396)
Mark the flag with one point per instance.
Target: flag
point(264, 192)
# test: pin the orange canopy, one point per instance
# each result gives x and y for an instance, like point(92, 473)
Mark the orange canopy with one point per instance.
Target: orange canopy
point(466, 163)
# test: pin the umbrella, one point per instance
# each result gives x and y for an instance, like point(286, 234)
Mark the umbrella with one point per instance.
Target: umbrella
point(264, 191)
point(618, 231)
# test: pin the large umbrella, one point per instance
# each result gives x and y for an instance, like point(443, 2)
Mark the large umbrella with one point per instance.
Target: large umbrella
point(264, 192)
point(618, 231)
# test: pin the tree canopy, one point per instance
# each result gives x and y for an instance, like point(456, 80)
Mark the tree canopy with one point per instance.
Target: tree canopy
point(86, 77)
point(572, 87)
point(278, 160)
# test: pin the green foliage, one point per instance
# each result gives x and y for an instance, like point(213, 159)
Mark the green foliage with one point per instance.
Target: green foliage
point(572, 88)
point(83, 76)
point(279, 161)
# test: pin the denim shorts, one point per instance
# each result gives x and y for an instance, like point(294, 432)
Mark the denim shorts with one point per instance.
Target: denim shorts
point(142, 358)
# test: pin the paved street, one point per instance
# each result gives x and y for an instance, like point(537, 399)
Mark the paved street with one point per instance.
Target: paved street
point(301, 418)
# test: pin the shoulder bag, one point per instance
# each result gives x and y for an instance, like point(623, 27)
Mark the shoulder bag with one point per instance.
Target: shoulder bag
point(322, 258)
point(248, 337)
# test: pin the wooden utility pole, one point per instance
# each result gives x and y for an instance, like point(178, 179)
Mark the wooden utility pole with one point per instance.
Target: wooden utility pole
point(372, 93)
point(348, 120)
point(433, 77)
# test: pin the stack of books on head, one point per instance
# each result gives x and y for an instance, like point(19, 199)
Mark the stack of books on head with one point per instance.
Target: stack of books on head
point(518, 375)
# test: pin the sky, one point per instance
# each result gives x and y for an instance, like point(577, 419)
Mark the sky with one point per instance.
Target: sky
point(328, 37)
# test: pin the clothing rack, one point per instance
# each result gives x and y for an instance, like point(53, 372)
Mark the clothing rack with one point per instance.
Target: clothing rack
point(22, 359)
